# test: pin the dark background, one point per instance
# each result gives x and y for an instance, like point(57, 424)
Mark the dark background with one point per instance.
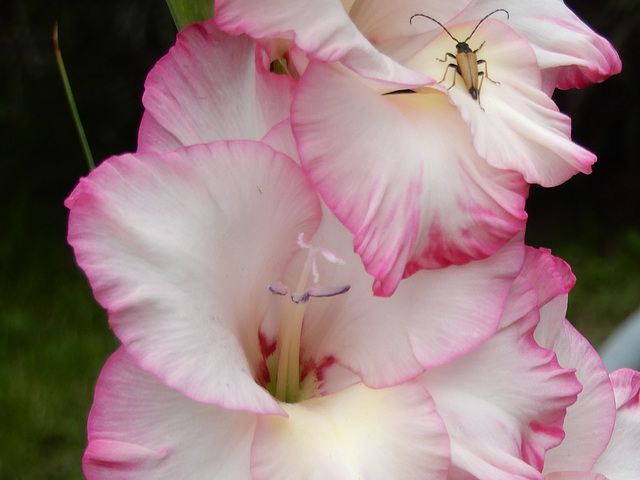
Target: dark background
point(54, 338)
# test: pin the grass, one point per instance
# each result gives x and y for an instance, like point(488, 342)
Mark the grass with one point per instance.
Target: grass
point(53, 341)
point(607, 289)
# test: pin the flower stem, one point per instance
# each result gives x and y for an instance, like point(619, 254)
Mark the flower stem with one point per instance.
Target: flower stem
point(185, 12)
point(71, 101)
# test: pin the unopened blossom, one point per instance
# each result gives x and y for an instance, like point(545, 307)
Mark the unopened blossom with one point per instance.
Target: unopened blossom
point(428, 176)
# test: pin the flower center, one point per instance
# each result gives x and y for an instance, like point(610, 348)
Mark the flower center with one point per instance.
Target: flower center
point(292, 310)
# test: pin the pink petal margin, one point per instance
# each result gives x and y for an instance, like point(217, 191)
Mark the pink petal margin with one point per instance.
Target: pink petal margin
point(589, 421)
point(569, 53)
point(505, 402)
point(621, 461)
point(140, 428)
point(148, 230)
point(401, 173)
point(187, 93)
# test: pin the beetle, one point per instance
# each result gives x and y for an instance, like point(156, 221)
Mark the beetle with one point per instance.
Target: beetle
point(466, 59)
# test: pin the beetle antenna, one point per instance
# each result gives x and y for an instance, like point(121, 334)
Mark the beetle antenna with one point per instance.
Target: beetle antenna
point(443, 27)
point(485, 17)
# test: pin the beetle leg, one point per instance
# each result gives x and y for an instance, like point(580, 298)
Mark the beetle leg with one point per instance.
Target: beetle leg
point(447, 55)
point(481, 75)
point(486, 72)
point(444, 77)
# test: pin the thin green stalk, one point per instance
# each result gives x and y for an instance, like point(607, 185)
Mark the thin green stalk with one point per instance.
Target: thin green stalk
point(71, 101)
point(185, 12)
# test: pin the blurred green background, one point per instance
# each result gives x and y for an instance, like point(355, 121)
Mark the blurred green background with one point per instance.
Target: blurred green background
point(53, 336)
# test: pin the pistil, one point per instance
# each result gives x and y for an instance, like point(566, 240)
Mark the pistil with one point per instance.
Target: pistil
point(291, 316)
point(292, 311)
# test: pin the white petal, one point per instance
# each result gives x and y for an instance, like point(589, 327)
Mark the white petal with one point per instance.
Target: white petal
point(570, 54)
point(434, 316)
point(392, 433)
point(142, 429)
point(321, 28)
point(504, 403)
point(515, 125)
point(589, 421)
point(401, 173)
point(181, 249)
point(210, 86)
point(574, 476)
point(620, 461)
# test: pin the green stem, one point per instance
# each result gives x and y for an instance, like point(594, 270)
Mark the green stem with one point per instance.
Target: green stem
point(185, 12)
point(71, 101)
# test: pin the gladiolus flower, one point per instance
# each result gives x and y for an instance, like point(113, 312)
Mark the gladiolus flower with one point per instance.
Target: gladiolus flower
point(252, 344)
point(181, 248)
point(184, 248)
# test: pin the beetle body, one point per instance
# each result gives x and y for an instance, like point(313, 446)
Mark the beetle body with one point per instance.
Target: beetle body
point(467, 62)
point(467, 67)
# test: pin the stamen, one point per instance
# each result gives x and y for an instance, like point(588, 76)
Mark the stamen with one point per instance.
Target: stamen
point(278, 288)
point(302, 243)
point(313, 251)
point(319, 291)
point(323, 291)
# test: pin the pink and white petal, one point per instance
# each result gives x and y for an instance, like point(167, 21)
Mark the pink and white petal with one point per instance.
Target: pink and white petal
point(321, 28)
point(401, 173)
point(434, 316)
point(187, 92)
point(524, 131)
point(590, 420)
point(356, 433)
point(570, 54)
point(626, 388)
point(280, 138)
point(147, 229)
point(620, 461)
point(504, 403)
point(550, 276)
point(574, 476)
point(514, 124)
point(153, 137)
point(387, 24)
point(141, 429)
